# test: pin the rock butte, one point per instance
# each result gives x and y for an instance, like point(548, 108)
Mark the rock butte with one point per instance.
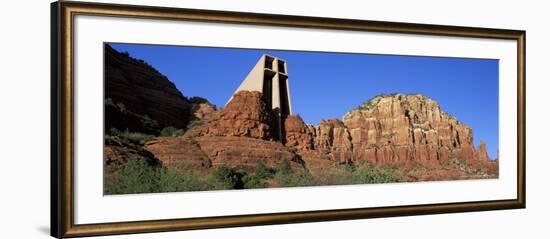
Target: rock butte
point(390, 130)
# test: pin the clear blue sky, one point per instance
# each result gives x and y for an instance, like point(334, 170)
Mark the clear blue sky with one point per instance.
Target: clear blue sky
point(327, 85)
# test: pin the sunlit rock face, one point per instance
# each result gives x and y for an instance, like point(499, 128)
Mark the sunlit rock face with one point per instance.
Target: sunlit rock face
point(389, 130)
point(405, 130)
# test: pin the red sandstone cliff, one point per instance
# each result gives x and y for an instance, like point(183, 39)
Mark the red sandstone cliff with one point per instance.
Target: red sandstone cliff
point(389, 130)
point(404, 129)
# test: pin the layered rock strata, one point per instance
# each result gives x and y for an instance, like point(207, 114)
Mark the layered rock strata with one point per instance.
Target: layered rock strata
point(238, 136)
point(391, 130)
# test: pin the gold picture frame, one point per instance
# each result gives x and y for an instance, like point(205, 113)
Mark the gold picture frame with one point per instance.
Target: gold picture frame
point(62, 128)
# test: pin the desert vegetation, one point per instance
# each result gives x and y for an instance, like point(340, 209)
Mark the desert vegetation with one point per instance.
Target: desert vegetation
point(139, 176)
point(135, 137)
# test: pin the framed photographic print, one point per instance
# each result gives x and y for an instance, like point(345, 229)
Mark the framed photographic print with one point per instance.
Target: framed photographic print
point(173, 119)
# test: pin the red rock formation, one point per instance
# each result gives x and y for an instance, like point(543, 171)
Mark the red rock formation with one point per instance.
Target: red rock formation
point(298, 134)
point(202, 110)
point(404, 130)
point(481, 152)
point(390, 130)
point(148, 100)
point(245, 152)
point(237, 136)
point(323, 146)
point(303, 137)
point(201, 153)
point(397, 130)
point(484, 162)
point(246, 115)
point(178, 152)
point(333, 139)
point(117, 151)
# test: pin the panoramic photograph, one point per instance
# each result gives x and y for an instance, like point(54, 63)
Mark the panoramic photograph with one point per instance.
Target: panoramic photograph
point(188, 118)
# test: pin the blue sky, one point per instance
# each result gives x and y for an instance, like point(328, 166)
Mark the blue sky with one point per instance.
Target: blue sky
point(327, 85)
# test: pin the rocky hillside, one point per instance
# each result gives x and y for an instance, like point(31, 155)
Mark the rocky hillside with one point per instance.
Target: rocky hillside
point(139, 103)
point(238, 136)
point(139, 98)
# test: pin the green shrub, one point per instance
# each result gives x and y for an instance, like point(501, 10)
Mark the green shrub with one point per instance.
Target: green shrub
point(170, 132)
point(298, 179)
point(193, 123)
point(114, 131)
point(347, 167)
point(223, 177)
point(263, 171)
point(136, 176)
point(192, 182)
point(284, 167)
point(253, 181)
point(121, 106)
point(197, 100)
point(371, 174)
point(366, 175)
point(286, 177)
point(135, 137)
point(148, 122)
point(171, 180)
point(109, 101)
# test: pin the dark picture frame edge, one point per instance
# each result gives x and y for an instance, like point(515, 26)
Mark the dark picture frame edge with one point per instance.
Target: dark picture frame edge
point(54, 123)
point(61, 197)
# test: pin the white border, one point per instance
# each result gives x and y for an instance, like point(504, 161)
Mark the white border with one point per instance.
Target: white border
point(92, 207)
